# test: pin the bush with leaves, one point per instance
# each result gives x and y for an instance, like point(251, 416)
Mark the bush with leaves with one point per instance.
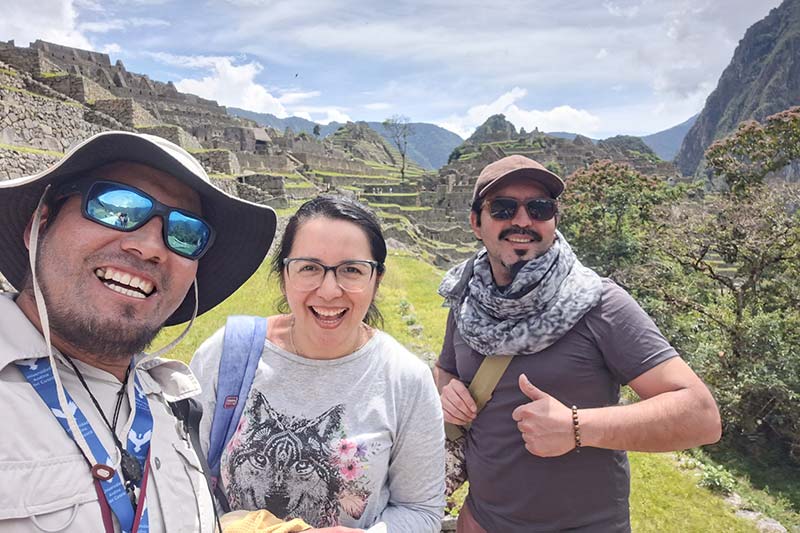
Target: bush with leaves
point(606, 212)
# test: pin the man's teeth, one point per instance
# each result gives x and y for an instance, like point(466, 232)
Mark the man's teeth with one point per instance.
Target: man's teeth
point(520, 239)
point(329, 312)
point(136, 286)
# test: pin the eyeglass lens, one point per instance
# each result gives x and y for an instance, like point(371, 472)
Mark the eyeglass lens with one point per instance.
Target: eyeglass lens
point(352, 276)
point(127, 209)
point(538, 208)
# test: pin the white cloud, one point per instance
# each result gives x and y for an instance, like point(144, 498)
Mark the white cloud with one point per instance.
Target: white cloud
point(111, 48)
point(377, 106)
point(322, 114)
point(617, 10)
point(560, 118)
point(289, 97)
point(110, 25)
point(50, 20)
point(148, 22)
point(602, 54)
point(229, 84)
point(102, 27)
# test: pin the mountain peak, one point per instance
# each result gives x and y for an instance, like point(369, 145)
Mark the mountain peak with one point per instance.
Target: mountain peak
point(763, 78)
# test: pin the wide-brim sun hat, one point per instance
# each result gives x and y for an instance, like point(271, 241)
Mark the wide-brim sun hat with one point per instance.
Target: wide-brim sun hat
point(516, 165)
point(244, 230)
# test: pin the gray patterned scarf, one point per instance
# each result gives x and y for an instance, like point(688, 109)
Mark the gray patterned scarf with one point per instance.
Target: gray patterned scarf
point(547, 297)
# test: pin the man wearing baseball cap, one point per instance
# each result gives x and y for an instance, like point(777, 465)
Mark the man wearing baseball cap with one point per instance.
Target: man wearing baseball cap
point(546, 453)
point(124, 235)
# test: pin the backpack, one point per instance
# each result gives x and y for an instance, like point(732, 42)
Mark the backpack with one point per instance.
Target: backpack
point(241, 351)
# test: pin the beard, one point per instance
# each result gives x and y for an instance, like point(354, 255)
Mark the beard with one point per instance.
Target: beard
point(106, 339)
point(78, 323)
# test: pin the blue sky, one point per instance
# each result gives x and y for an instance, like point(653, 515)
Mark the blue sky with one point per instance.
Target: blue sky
point(596, 67)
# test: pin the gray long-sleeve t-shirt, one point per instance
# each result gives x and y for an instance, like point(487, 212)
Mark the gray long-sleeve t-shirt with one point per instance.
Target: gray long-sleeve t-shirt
point(356, 441)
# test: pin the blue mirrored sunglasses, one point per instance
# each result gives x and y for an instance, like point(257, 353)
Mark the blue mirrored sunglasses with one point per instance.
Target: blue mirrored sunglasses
point(125, 208)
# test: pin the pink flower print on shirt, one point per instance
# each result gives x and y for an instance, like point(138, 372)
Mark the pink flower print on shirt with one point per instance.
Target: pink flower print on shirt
point(346, 448)
point(350, 469)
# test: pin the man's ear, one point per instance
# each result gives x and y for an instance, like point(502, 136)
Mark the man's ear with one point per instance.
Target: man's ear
point(42, 224)
point(476, 227)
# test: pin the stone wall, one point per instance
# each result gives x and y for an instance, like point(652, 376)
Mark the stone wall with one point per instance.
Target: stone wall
point(218, 161)
point(329, 164)
point(24, 59)
point(180, 137)
point(252, 193)
point(77, 87)
point(404, 199)
point(31, 120)
point(130, 113)
point(10, 78)
point(274, 185)
point(257, 162)
point(18, 162)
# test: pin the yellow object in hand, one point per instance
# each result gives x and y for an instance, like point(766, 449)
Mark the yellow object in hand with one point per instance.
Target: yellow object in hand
point(259, 522)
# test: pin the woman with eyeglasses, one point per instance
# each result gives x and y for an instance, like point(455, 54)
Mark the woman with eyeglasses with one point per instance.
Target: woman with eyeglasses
point(342, 426)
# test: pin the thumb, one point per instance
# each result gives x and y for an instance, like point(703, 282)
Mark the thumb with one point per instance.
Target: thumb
point(529, 390)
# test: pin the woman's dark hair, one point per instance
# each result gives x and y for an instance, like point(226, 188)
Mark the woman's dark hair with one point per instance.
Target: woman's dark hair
point(336, 208)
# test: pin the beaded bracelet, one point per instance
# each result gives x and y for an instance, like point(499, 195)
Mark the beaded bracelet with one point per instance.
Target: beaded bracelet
point(576, 426)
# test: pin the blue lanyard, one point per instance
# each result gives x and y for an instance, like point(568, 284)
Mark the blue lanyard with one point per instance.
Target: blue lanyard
point(40, 375)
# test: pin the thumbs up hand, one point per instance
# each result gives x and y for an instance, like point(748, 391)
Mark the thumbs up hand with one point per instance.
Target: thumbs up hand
point(544, 422)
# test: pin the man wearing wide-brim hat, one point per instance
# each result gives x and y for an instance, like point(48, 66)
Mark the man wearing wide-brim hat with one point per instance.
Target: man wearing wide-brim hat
point(124, 235)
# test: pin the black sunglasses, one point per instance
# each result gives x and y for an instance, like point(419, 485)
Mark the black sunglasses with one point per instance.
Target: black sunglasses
point(125, 208)
point(502, 208)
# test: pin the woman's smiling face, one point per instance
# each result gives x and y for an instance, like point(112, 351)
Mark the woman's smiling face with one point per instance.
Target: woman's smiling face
point(328, 319)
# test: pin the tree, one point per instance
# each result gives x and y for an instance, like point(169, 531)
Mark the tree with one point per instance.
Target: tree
point(399, 129)
point(725, 276)
point(606, 212)
point(316, 130)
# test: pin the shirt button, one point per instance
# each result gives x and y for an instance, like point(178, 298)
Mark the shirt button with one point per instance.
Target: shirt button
point(158, 463)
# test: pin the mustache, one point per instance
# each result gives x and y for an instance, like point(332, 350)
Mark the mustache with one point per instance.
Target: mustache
point(521, 231)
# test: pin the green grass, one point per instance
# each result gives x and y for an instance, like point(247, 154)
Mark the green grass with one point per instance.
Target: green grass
point(30, 150)
point(766, 480)
point(664, 499)
point(35, 95)
point(8, 72)
point(53, 74)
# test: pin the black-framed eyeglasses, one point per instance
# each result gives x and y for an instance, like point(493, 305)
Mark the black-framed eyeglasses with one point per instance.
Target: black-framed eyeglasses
point(307, 274)
point(502, 208)
point(125, 208)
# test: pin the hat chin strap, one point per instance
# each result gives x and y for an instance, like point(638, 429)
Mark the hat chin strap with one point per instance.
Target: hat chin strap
point(171, 345)
point(77, 435)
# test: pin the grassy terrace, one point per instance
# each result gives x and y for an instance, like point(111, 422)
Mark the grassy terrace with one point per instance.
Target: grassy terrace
point(35, 95)
point(410, 208)
point(664, 498)
point(29, 150)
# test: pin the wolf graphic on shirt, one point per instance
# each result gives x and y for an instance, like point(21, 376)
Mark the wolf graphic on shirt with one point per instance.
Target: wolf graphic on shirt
point(290, 466)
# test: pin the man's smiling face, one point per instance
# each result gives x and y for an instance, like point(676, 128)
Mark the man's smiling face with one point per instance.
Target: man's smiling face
point(518, 239)
point(109, 292)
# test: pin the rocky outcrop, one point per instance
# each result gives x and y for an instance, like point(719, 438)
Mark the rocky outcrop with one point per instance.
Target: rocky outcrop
point(763, 78)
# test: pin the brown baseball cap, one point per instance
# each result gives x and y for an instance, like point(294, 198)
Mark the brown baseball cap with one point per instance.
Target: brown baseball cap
point(517, 165)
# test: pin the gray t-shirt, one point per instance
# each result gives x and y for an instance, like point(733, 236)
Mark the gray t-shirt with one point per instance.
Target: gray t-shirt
point(356, 441)
point(512, 490)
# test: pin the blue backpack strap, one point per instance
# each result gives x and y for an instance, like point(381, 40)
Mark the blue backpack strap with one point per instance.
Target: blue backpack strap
point(241, 351)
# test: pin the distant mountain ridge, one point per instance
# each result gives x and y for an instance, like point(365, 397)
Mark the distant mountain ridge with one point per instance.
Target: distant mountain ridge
point(664, 143)
point(667, 143)
point(763, 78)
point(429, 145)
